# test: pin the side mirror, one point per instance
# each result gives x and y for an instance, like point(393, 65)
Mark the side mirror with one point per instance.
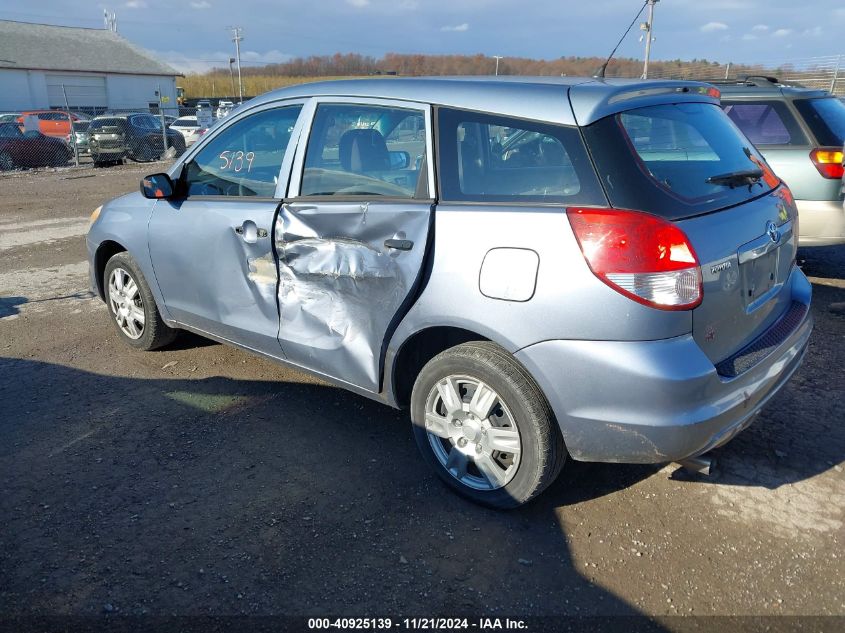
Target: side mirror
point(399, 160)
point(157, 186)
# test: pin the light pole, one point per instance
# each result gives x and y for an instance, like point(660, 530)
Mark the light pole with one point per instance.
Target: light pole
point(237, 36)
point(497, 58)
point(232, 75)
point(648, 27)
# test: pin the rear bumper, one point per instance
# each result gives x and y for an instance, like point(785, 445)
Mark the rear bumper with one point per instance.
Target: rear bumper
point(656, 401)
point(822, 222)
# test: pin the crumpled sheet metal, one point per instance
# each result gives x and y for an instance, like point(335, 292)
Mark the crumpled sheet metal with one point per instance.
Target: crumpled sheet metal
point(336, 298)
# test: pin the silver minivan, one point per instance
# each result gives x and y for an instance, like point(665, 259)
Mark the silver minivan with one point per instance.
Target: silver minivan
point(539, 268)
point(800, 131)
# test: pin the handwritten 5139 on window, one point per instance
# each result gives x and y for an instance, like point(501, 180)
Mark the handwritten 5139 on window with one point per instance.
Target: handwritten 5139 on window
point(235, 160)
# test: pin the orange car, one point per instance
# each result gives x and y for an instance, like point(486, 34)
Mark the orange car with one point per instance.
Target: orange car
point(50, 122)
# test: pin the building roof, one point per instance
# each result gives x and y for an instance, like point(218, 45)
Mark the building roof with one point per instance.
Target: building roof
point(27, 46)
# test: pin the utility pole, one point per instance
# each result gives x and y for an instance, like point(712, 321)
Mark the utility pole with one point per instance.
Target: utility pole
point(497, 58)
point(237, 37)
point(232, 75)
point(648, 27)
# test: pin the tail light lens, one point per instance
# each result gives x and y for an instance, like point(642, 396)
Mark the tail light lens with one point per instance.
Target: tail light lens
point(640, 256)
point(829, 162)
point(201, 131)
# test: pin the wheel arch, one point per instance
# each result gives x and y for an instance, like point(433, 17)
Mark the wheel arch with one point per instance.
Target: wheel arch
point(416, 350)
point(105, 251)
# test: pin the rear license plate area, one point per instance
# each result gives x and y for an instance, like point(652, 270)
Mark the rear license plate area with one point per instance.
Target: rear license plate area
point(759, 276)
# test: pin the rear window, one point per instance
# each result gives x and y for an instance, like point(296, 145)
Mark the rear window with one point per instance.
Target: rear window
point(185, 122)
point(765, 122)
point(674, 160)
point(826, 118)
point(492, 158)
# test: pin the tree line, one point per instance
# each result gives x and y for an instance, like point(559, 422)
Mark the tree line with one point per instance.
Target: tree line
point(355, 64)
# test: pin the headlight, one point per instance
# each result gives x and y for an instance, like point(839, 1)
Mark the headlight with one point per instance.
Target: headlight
point(94, 216)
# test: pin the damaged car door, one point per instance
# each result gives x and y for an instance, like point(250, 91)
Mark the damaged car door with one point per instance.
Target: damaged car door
point(211, 244)
point(352, 237)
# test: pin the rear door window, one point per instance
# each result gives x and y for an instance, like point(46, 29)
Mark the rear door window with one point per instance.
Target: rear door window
point(826, 118)
point(365, 150)
point(677, 160)
point(765, 122)
point(493, 158)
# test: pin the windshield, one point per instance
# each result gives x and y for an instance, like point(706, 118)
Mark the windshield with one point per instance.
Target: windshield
point(677, 160)
point(826, 118)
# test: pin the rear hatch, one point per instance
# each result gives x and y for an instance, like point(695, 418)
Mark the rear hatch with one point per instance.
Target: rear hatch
point(825, 116)
point(687, 163)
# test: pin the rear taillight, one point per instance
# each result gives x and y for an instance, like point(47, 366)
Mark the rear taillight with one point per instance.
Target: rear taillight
point(639, 255)
point(201, 132)
point(829, 162)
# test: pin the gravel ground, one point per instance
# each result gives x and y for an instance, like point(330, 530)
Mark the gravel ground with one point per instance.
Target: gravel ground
point(202, 480)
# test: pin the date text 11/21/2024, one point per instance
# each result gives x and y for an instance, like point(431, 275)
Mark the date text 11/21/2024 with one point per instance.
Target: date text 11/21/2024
point(435, 624)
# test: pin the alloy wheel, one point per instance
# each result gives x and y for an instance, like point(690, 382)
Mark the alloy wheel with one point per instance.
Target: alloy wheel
point(472, 432)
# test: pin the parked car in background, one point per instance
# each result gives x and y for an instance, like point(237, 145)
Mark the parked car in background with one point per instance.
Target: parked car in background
point(800, 132)
point(52, 122)
point(224, 108)
point(189, 128)
point(9, 117)
point(135, 136)
point(33, 149)
point(589, 289)
point(80, 129)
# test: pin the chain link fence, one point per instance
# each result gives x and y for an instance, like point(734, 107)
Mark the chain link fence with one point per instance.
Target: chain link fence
point(100, 137)
point(822, 73)
point(97, 137)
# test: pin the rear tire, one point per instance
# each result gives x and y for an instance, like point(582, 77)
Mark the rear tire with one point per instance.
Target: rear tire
point(132, 305)
point(6, 162)
point(500, 449)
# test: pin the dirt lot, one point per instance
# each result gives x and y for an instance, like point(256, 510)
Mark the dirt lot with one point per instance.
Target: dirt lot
point(202, 480)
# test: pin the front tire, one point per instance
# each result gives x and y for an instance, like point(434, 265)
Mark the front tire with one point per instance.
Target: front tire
point(484, 426)
point(132, 306)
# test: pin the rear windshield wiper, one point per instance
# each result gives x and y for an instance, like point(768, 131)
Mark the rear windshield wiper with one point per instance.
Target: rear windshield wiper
point(736, 178)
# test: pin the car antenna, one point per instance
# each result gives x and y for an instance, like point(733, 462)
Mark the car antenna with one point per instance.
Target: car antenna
point(599, 74)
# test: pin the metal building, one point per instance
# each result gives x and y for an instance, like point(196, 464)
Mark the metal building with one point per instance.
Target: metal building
point(96, 69)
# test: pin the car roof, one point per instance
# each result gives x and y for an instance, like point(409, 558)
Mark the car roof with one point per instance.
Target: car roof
point(538, 98)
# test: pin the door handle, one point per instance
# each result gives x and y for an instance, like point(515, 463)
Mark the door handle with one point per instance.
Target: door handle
point(249, 232)
point(399, 245)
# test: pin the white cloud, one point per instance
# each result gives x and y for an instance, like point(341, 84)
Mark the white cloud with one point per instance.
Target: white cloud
point(136, 4)
point(358, 3)
point(714, 26)
point(458, 28)
point(748, 37)
point(782, 33)
point(760, 27)
point(816, 31)
point(202, 4)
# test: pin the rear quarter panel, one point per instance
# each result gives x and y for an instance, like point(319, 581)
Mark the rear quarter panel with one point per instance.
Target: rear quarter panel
point(569, 302)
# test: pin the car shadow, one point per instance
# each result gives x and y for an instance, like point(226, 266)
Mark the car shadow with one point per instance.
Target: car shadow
point(9, 305)
point(222, 496)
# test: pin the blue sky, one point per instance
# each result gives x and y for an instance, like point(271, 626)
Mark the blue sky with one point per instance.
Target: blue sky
point(192, 34)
